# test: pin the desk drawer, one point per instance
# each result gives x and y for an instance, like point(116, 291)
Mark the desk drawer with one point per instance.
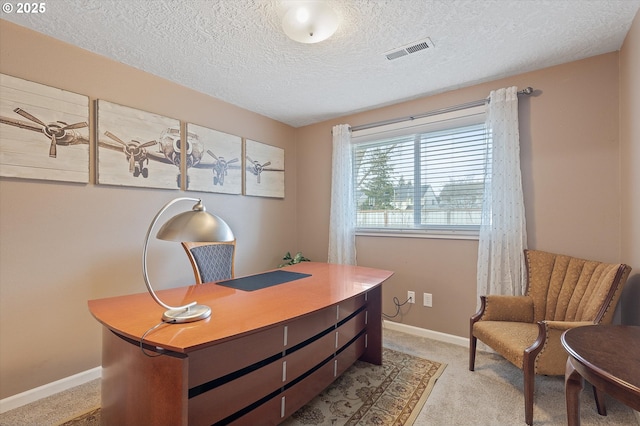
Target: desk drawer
point(288, 402)
point(310, 325)
point(349, 306)
point(227, 399)
point(267, 414)
point(219, 360)
point(351, 328)
point(350, 354)
point(301, 393)
point(304, 359)
point(280, 407)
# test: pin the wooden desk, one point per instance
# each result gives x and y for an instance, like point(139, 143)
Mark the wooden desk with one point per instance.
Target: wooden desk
point(608, 357)
point(258, 358)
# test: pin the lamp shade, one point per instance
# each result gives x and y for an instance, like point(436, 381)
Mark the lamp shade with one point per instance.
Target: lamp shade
point(195, 226)
point(310, 22)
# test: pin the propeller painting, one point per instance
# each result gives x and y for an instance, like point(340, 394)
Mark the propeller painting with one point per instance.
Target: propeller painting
point(264, 170)
point(137, 148)
point(44, 132)
point(214, 161)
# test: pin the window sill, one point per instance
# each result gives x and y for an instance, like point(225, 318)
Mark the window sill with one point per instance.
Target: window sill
point(413, 233)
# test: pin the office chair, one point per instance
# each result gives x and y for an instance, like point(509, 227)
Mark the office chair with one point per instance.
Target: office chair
point(211, 261)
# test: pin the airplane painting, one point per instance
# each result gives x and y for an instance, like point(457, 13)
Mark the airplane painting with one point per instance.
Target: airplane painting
point(137, 148)
point(44, 132)
point(264, 170)
point(216, 164)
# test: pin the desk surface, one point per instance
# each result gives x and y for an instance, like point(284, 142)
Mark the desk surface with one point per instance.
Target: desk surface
point(234, 312)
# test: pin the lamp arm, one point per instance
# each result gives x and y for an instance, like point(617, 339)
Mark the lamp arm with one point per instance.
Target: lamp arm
point(145, 275)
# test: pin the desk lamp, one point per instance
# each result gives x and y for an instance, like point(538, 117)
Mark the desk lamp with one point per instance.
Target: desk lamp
point(195, 225)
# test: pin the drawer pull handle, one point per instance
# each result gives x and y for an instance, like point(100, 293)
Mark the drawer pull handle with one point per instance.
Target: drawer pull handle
point(282, 406)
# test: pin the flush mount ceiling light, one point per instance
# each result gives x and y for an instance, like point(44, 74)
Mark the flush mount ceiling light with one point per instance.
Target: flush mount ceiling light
point(310, 22)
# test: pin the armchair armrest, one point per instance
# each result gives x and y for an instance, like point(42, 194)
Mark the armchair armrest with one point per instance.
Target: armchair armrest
point(505, 308)
point(547, 353)
point(562, 326)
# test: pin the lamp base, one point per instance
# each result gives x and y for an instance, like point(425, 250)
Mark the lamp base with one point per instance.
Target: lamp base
point(191, 314)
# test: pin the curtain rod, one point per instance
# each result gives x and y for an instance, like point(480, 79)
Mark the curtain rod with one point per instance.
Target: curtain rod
point(525, 91)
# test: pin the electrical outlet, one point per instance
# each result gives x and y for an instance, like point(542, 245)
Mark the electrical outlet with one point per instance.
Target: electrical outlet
point(411, 295)
point(427, 299)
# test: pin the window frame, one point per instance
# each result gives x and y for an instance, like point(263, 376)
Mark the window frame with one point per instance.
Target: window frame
point(428, 124)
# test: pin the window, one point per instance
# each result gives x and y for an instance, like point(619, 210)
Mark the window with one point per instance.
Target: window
point(423, 175)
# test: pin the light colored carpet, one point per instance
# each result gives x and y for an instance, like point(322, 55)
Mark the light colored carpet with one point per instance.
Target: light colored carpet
point(491, 395)
point(55, 408)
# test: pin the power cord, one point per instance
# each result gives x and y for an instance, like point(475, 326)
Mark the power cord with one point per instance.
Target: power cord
point(161, 350)
point(396, 302)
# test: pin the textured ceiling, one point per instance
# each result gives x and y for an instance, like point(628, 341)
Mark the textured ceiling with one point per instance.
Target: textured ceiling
point(236, 51)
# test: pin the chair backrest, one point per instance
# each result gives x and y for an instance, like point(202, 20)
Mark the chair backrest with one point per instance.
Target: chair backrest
point(566, 288)
point(211, 261)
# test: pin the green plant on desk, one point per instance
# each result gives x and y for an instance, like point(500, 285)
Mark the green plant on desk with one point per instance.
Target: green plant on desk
point(288, 260)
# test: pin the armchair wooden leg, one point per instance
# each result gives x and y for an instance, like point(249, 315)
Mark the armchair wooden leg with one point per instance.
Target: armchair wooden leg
point(473, 341)
point(529, 386)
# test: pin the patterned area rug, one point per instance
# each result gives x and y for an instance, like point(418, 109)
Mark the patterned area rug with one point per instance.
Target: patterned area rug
point(389, 394)
point(90, 418)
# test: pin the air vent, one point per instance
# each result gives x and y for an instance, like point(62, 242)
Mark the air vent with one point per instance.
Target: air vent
point(411, 48)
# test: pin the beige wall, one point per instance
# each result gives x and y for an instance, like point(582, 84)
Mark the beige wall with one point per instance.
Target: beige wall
point(630, 172)
point(570, 166)
point(63, 244)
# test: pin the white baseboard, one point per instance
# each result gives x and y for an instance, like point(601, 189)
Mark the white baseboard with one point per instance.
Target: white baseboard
point(49, 389)
point(423, 332)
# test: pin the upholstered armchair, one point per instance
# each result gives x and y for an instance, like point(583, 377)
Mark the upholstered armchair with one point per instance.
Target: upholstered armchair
point(562, 292)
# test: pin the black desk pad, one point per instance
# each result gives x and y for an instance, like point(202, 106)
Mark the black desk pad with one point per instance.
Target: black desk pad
point(266, 279)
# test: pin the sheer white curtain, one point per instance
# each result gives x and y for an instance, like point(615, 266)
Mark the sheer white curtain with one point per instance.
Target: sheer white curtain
point(342, 219)
point(503, 235)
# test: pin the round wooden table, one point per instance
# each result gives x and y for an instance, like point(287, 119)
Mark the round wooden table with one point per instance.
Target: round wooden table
point(608, 357)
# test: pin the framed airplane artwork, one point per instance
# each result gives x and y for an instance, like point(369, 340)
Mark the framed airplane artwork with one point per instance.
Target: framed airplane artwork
point(214, 161)
point(44, 132)
point(137, 148)
point(264, 170)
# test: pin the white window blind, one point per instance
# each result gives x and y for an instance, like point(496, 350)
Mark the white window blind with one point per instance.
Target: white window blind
point(424, 175)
